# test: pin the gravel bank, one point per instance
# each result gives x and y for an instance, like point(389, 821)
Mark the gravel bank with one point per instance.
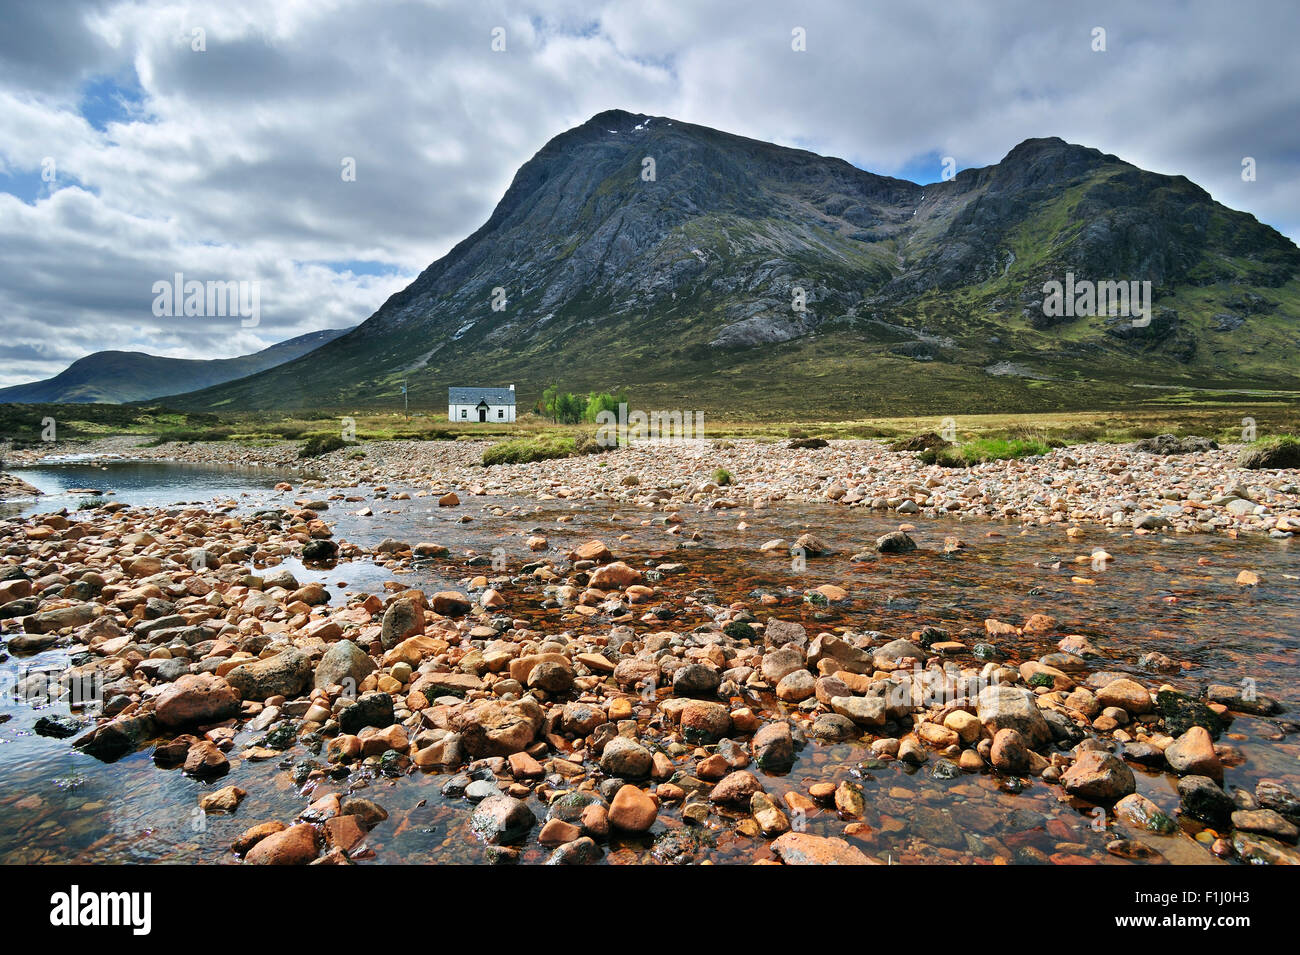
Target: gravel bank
point(1203, 492)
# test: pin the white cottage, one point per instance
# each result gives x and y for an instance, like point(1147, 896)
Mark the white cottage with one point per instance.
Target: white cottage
point(481, 404)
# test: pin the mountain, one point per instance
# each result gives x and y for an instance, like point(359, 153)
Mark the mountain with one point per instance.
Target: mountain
point(117, 377)
point(919, 298)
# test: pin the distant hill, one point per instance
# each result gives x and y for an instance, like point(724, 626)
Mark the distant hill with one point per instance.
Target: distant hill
point(740, 276)
point(117, 377)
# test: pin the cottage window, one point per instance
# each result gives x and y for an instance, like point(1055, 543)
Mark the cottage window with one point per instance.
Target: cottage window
point(501, 412)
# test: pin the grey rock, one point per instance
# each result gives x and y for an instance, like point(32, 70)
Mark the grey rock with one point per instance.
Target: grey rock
point(286, 674)
point(343, 661)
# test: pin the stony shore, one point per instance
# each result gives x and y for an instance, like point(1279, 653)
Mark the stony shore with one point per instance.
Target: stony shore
point(1199, 492)
point(13, 487)
point(647, 708)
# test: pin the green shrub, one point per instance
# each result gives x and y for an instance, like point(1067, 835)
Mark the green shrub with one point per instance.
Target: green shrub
point(945, 455)
point(190, 435)
point(981, 451)
point(588, 444)
point(722, 477)
point(1280, 451)
point(320, 444)
point(1082, 434)
point(524, 450)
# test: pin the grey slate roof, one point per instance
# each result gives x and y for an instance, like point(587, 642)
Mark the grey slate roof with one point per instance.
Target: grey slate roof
point(472, 396)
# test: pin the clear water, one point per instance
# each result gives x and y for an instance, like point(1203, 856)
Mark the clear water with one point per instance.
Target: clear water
point(1177, 595)
point(143, 483)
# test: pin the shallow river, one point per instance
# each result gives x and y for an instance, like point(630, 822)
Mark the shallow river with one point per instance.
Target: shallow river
point(1177, 595)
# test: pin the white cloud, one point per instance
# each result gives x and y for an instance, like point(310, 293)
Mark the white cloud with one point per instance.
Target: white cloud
point(229, 166)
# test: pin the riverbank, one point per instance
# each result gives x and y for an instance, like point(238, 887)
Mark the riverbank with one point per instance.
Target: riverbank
point(12, 487)
point(1084, 484)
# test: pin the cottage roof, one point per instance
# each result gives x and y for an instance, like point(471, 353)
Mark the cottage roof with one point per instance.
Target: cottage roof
point(472, 396)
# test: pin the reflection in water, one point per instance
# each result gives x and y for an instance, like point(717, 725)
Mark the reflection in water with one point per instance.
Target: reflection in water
point(1175, 595)
point(142, 483)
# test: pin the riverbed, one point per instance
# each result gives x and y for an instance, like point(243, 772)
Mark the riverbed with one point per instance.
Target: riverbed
point(1177, 595)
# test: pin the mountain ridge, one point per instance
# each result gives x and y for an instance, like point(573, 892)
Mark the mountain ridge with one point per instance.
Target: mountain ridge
point(121, 377)
point(684, 285)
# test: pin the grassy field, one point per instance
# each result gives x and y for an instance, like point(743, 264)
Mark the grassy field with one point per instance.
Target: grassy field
point(1219, 416)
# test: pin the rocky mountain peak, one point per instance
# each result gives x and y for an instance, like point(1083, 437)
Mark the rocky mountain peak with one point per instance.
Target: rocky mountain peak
point(641, 248)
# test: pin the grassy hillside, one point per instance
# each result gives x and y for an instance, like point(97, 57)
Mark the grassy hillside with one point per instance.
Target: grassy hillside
point(119, 376)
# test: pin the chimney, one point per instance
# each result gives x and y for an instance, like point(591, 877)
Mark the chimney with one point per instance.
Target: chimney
point(512, 387)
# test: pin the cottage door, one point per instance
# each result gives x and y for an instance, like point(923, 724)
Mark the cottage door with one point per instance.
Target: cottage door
point(482, 411)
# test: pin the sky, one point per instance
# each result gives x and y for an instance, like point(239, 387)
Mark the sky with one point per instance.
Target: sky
point(324, 152)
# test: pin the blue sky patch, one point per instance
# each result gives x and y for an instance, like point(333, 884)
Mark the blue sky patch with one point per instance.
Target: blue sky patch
point(106, 100)
point(924, 169)
point(29, 185)
point(362, 267)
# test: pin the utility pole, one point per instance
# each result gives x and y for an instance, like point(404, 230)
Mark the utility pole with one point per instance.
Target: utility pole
point(406, 401)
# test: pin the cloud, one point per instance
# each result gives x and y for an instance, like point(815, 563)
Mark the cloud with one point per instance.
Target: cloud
point(225, 163)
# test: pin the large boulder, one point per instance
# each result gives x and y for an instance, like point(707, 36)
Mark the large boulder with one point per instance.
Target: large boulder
point(804, 848)
point(1192, 754)
point(499, 820)
point(369, 709)
point(844, 654)
point(614, 576)
point(48, 621)
point(286, 674)
point(625, 758)
point(498, 728)
point(296, 845)
point(344, 660)
point(780, 633)
point(774, 748)
point(196, 698)
point(113, 740)
point(696, 679)
point(403, 618)
point(1099, 777)
point(1009, 707)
